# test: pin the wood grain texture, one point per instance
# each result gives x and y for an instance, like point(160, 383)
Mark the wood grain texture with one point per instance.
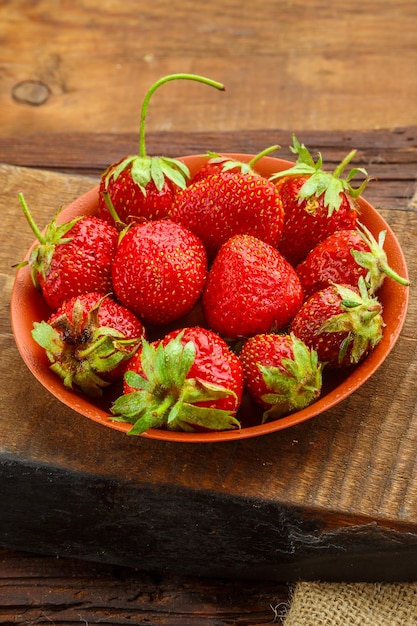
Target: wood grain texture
point(335, 496)
point(388, 155)
point(43, 590)
point(85, 66)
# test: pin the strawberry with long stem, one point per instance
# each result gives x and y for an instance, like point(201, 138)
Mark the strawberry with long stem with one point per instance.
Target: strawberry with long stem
point(72, 258)
point(141, 186)
point(345, 256)
point(316, 202)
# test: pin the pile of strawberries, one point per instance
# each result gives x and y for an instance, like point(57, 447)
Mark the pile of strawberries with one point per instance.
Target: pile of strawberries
point(198, 290)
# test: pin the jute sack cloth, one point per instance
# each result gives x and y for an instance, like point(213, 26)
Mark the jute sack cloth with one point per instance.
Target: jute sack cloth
point(353, 604)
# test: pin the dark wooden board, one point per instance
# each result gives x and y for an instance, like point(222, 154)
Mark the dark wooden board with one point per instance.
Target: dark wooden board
point(333, 498)
point(37, 589)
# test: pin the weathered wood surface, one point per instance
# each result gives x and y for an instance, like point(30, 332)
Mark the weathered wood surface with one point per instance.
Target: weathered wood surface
point(334, 497)
point(42, 590)
point(388, 155)
point(85, 66)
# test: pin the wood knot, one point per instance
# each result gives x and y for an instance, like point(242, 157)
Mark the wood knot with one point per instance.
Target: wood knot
point(32, 92)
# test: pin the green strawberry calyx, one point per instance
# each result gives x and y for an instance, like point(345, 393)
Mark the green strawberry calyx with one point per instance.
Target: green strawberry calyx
point(361, 320)
point(245, 167)
point(166, 397)
point(321, 182)
point(41, 254)
point(375, 260)
point(293, 386)
point(144, 168)
point(81, 353)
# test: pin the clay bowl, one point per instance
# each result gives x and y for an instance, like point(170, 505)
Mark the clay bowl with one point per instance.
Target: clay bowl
point(27, 306)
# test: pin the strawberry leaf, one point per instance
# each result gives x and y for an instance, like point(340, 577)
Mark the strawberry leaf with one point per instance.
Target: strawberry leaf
point(294, 385)
point(190, 415)
point(113, 172)
point(375, 260)
point(245, 167)
point(133, 379)
point(157, 173)
point(361, 320)
point(198, 390)
point(141, 172)
point(175, 170)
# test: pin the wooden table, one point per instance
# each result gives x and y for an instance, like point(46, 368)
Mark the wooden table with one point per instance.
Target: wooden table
point(146, 531)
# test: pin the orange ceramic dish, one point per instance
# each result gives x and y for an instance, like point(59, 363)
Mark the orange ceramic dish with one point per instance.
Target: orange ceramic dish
point(27, 306)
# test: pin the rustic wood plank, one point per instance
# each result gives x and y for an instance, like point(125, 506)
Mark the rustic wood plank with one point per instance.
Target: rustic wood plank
point(388, 156)
point(41, 590)
point(288, 64)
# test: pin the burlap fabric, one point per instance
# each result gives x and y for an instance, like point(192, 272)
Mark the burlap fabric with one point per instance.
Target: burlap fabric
point(353, 604)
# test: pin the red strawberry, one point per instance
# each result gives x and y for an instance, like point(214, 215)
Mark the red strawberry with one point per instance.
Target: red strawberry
point(140, 186)
point(342, 323)
point(250, 289)
point(133, 201)
point(89, 340)
point(345, 256)
point(281, 373)
point(159, 270)
point(189, 380)
point(218, 163)
point(71, 258)
point(222, 205)
point(316, 202)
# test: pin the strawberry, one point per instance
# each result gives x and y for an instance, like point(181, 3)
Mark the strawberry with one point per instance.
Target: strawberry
point(218, 163)
point(131, 200)
point(281, 373)
point(190, 380)
point(342, 323)
point(345, 256)
point(71, 258)
point(228, 203)
point(89, 341)
point(250, 289)
point(159, 270)
point(139, 186)
point(316, 202)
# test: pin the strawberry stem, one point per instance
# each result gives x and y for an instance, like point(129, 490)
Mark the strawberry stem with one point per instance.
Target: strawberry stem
point(30, 219)
point(375, 261)
point(386, 269)
point(161, 81)
point(92, 347)
point(110, 207)
point(339, 169)
point(265, 152)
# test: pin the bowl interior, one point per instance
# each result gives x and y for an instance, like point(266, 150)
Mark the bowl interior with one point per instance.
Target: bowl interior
point(27, 306)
